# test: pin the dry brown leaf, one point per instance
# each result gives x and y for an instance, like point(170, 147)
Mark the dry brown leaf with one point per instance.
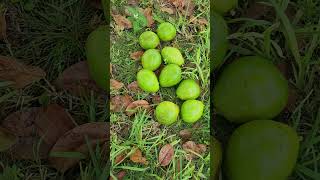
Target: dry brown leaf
point(31, 125)
point(21, 75)
point(199, 21)
point(120, 175)
point(122, 22)
point(133, 2)
point(115, 85)
point(148, 14)
point(74, 141)
point(134, 87)
point(120, 103)
point(136, 55)
point(3, 26)
point(76, 80)
point(156, 99)
point(134, 106)
point(191, 148)
point(167, 10)
point(185, 134)
point(185, 6)
point(137, 157)
point(120, 158)
point(166, 154)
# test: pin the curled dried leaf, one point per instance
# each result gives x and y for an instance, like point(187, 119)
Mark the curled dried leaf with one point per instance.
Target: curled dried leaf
point(136, 55)
point(74, 141)
point(134, 87)
point(76, 80)
point(116, 85)
point(167, 10)
point(166, 154)
point(122, 22)
point(192, 149)
point(120, 103)
point(120, 175)
point(185, 134)
point(21, 75)
point(134, 106)
point(137, 157)
point(156, 99)
point(120, 158)
point(148, 14)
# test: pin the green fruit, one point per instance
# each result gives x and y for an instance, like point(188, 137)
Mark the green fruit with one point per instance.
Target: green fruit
point(166, 31)
point(223, 6)
point(250, 88)
point(262, 149)
point(167, 113)
point(97, 56)
point(149, 40)
point(216, 157)
point(170, 75)
point(191, 111)
point(188, 89)
point(220, 41)
point(147, 81)
point(172, 55)
point(151, 59)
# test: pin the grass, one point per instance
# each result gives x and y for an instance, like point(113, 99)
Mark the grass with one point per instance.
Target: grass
point(142, 131)
point(292, 40)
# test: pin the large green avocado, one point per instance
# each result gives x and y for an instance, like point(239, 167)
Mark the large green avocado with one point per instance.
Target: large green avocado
point(250, 88)
point(219, 40)
point(262, 150)
point(97, 56)
point(216, 157)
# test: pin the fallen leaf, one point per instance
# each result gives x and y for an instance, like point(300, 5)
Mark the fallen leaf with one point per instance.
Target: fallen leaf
point(199, 21)
point(116, 85)
point(156, 99)
point(166, 154)
point(185, 134)
point(21, 75)
point(136, 55)
point(167, 10)
point(134, 106)
point(76, 80)
point(189, 8)
point(75, 141)
point(7, 139)
point(148, 14)
point(120, 103)
point(185, 6)
point(133, 2)
point(134, 87)
point(191, 148)
point(120, 158)
point(3, 26)
point(122, 22)
point(137, 157)
point(120, 175)
point(34, 124)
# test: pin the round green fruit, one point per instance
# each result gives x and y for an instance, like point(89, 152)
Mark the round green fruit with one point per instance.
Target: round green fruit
point(167, 113)
point(191, 111)
point(147, 81)
point(216, 157)
point(223, 6)
point(170, 75)
point(262, 149)
point(188, 89)
point(220, 41)
point(97, 56)
point(250, 88)
point(166, 31)
point(172, 55)
point(149, 40)
point(151, 59)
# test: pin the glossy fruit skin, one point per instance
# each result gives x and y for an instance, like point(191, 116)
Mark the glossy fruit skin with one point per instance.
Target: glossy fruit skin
point(166, 31)
point(216, 157)
point(220, 42)
point(172, 55)
point(151, 59)
point(262, 149)
point(147, 81)
point(97, 56)
point(188, 89)
point(250, 88)
point(191, 111)
point(149, 40)
point(170, 75)
point(223, 6)
point(167, 113)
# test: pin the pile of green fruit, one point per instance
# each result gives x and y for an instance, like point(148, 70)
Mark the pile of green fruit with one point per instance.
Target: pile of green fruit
point(188, 90)
point(251, 90)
